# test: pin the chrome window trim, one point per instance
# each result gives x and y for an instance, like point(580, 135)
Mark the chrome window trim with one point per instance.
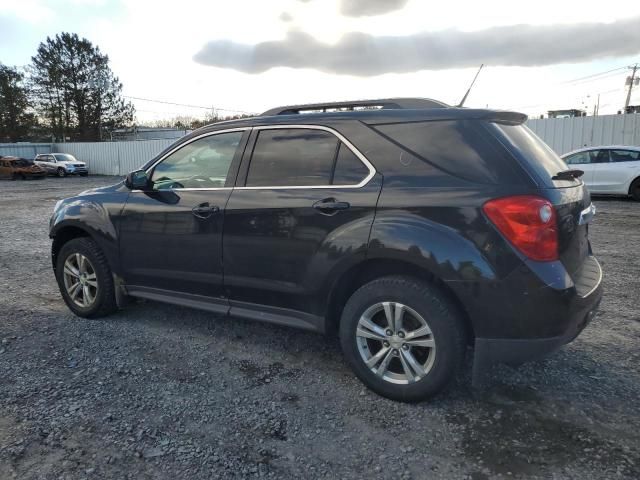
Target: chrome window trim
point(350, 146)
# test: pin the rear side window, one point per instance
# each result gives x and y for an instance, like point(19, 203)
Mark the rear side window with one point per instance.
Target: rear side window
point(460, 148)
point(538, 155)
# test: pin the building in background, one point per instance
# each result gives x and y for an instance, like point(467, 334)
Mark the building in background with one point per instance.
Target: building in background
point(570, 113)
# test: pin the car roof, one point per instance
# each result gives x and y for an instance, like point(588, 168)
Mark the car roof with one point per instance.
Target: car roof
point(634, 148)
point(370, 117)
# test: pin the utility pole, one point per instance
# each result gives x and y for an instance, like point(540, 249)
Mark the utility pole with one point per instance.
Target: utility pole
point(630, 80)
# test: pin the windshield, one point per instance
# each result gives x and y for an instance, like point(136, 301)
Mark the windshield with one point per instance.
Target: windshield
point(65, 157)
point(542, 159)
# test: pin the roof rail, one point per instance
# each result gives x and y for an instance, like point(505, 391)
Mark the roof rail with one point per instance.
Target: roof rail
point(382, 103)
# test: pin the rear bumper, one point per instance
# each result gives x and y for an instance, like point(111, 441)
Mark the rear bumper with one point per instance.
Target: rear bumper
point(565, 312)
point(519, 350)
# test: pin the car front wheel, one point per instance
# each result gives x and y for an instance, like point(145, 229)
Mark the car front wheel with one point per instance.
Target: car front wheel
point(61, 173)
point(402, 337)
point(85, 279)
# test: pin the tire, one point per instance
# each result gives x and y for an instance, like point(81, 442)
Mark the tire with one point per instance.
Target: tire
point(634, 190)
point(61, 172)
point(84, 174)
point(439, 364)
point(100, 300)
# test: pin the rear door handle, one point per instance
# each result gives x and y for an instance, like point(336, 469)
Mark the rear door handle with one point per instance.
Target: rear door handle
point(330, 206)
point(204, 210)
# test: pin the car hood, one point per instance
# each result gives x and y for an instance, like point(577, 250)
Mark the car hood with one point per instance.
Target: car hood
point(108, 189)
point(69, 163)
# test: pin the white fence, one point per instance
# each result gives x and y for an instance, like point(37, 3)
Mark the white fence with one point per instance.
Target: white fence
point(114, 158)
point(24, 150)
point(566, 134)
point(118, 158)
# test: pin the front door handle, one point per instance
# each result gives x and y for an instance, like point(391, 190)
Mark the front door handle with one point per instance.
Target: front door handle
point(330, 206)
point(204, 210)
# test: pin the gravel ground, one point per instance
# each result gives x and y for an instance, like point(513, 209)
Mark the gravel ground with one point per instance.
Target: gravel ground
point(165, 392)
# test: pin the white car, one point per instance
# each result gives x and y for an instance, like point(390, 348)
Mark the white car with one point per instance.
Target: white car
point(61, 164)
point(611, 170)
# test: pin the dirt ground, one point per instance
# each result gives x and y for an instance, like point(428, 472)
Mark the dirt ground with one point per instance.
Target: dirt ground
point(161, 392)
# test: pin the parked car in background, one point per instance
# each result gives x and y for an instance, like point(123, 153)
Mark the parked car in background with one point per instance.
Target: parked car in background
point(20, 168)
point(413, 231)
point(612, 170)
point(61, 164)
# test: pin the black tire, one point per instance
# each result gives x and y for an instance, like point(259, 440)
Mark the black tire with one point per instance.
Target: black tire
point(61, 172)
point(105, 298)
point(634, 190)
point(442, 317)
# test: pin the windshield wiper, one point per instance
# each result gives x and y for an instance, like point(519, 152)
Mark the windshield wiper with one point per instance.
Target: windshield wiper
point(568, 175)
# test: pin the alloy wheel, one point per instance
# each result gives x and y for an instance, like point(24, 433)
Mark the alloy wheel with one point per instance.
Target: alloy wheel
point(80, 280)
point(395, 342)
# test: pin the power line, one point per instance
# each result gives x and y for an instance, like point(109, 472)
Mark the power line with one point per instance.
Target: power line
point(187, 105)
point(593, 75)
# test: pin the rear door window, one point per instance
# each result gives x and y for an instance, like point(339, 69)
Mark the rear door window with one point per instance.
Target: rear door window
point(625, 156)
point(292, 157)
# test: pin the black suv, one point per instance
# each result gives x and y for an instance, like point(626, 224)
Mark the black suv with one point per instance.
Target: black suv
point(412, 229)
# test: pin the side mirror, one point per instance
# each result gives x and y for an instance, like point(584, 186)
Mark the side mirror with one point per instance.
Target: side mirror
point(137, 180)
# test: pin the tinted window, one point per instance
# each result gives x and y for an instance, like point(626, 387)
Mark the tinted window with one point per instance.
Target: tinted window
point(349, 169)
point(460, 148)
point(544, 161)
point(65, 157)
point(599, 156)
point(203, 163)
point(581, 158)
point(625, 156)
point(292, 157)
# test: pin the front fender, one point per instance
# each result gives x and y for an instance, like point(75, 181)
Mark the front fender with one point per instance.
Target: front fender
point(96, 216)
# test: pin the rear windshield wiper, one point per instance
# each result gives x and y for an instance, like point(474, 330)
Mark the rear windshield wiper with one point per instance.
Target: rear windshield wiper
point(568, 175)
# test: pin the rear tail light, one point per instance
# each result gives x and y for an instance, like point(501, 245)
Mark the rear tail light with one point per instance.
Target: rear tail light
point(528, 222)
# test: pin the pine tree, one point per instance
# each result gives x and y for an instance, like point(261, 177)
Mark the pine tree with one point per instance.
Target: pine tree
point(16, 117)
point(75, 91)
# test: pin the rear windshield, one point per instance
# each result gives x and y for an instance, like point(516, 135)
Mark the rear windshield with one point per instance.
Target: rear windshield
point(540, 157)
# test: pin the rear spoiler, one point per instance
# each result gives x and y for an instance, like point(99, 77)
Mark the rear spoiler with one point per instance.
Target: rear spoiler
point(506, 118)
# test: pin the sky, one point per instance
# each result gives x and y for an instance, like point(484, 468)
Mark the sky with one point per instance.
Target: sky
point(251, 55)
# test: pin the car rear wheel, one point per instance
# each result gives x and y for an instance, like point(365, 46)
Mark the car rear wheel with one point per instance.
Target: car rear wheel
point(85, 279)
point(61, 173)
point(402, 338)
point(634, 191)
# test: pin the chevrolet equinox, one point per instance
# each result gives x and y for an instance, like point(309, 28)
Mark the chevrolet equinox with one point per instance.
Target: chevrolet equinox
point(411, 229)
